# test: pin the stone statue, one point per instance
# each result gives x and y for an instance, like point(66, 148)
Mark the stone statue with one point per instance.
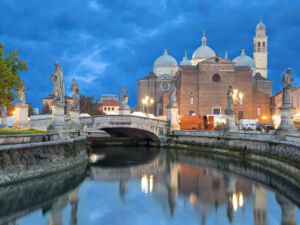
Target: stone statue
point(124, 97)
point(287, 80)
point(3, 111)
point(21, 95)
point(172, 95)
point(75, 95)
point(229, 108)
point(58, 84)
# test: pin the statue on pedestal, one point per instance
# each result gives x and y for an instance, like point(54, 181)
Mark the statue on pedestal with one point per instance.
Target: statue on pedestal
point(21, 95)
point(3, 116)
point(287, 80)
point(58, 84)
point(75, 95)
point(229, 108)
point(124, 97)
point(172, 96)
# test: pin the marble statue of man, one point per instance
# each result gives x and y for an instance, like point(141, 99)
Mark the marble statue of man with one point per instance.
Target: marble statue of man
point(75, 94)
point(58, 84)
point(287, 80)
point(21, 94)
point(172, 95)
point(229, 99)
point(124, 97)
point(3, 111)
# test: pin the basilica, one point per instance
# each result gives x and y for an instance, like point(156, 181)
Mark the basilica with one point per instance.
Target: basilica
point(202, 81)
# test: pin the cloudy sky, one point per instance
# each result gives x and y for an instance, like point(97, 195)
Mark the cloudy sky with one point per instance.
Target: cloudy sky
point(105, 44)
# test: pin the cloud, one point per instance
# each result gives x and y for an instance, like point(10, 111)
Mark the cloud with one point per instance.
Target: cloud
point(105, 44)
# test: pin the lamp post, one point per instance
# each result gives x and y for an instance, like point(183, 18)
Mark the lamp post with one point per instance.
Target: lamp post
point(147, 103)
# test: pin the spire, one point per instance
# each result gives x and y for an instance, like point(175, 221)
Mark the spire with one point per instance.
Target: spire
point(204, 39)
point(165, 51)
point(185, 55)
point(226, 55)
point(243, 52)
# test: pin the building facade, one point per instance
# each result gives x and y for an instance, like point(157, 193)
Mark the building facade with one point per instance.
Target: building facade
point(203, 81)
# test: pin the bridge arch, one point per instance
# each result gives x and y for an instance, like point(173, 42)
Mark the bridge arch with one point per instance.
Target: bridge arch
point(129, 126)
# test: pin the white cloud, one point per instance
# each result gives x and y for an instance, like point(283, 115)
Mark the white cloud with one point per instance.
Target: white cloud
point(94, 5)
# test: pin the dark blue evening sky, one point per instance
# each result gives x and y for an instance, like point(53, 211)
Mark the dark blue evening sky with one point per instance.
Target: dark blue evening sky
point(105, 44)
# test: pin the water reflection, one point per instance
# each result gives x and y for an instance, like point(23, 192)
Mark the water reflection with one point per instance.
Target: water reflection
point(155, 187)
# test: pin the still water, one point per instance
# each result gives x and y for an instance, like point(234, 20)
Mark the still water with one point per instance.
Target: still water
point(148, 186)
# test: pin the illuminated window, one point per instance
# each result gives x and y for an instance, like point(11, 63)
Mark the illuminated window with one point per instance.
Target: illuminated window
point(192, 100)
point(258, 111)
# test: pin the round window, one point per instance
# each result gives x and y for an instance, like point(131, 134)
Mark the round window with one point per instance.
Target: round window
point(216, 78)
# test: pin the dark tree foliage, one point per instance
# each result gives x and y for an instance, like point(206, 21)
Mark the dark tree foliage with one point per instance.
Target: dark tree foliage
point(10, 81)
point(89, 105)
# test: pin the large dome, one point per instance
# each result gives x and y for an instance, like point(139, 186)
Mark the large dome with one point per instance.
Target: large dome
point(203, 52)
point(165, 65)
point(244, 60)
point(165, 61)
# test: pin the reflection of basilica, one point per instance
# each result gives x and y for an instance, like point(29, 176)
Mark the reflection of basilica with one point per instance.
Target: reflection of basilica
point(56, 213)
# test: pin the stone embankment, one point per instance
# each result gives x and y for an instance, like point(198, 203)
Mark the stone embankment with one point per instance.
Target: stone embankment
point(20, 162)
point(241, 143)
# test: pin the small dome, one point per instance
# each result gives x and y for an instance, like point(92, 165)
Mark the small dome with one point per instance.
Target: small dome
point(185, 61)
point(165, 61)
point(244, 60)
point(203, 52)
point(260, 26)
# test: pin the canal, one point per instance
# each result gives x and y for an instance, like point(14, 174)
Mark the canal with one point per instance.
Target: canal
point(140, 185)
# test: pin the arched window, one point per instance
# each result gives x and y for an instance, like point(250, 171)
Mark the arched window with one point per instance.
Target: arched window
point(216, 78)
point(258, 46)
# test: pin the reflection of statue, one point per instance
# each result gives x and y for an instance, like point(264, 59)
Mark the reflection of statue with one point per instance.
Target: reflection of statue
point(58, 82)
point(287, 85)
point(172, 95)
point(21, 94)
point(124, 97)
point(229, 99)
point(75, 95)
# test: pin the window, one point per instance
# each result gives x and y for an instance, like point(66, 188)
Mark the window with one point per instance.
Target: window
point(192, 100)
point(264, 44)
point(108, 108)
point(258, 111)
point(216, 110)
point(104, 108)
point(216, 78)
point(191, 113)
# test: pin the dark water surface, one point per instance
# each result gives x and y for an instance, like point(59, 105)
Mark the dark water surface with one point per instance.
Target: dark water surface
point(149, 186)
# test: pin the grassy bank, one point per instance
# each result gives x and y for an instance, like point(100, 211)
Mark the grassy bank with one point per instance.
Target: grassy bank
point(7, 131)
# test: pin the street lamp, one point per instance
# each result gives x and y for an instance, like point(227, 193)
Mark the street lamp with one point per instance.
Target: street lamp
point(147, 102)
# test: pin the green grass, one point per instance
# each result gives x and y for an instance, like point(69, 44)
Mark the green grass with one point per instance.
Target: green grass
point(7, 131)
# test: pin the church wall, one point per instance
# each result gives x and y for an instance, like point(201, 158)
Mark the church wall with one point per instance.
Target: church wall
point(211, 93)
point(264, 86)
point(188, 92)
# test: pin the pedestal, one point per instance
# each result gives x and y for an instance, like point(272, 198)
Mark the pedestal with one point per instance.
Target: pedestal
point(21, 121)
point(172, 118)
point(124, 110)
point(75, 120)
point(286, 126)
point(230, 121)
point(58, 118)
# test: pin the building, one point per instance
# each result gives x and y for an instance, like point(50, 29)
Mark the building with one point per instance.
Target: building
point(110, 97)
point(276, 104)
point(109, 107)
point(203, 81)
point(47, 103)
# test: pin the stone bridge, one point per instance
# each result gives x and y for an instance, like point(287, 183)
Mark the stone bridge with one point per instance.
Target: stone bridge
point(126, 126)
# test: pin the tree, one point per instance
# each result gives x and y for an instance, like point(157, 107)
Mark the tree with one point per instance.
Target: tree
point(88, 105)
point(30, 110)
point(10, 81)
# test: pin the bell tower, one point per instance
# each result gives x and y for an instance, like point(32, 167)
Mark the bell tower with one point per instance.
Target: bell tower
point(260, 54)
